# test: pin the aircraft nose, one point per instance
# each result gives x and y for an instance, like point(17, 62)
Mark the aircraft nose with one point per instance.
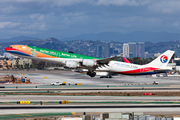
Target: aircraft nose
point(7, 48)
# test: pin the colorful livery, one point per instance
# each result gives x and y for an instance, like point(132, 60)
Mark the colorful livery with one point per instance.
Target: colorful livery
point(92, 64)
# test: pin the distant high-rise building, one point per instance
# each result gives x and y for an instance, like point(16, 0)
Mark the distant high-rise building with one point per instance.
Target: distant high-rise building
point(133, 49)
point(126, 50)
point(140, 50)
point(111, 51)
point(99, 51)
point(116, 52)
point(107, 50)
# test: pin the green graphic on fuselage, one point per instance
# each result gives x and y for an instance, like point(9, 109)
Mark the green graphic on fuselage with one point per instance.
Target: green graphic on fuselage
point(32, 52)
point(60, 54)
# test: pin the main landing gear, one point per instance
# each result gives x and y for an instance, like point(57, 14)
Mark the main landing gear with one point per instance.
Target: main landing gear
point(91, 73)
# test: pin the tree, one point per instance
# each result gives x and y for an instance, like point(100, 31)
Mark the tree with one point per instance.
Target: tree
point(41, 65)
point(138, 60)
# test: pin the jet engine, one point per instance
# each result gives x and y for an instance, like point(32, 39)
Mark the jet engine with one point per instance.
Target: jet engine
point(72, 64)
point(89, 63)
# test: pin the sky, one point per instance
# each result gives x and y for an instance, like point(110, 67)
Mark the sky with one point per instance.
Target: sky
point(69, 18)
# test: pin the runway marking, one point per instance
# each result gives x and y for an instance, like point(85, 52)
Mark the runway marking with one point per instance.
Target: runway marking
point(176, 102)
point(44, 101)
point(5, 102)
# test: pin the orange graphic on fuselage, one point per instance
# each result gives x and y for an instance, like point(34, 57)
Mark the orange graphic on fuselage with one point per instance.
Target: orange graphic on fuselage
point(25, 49)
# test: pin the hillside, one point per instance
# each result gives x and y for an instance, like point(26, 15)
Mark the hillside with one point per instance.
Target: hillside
point(88, 47)
point(137, 36)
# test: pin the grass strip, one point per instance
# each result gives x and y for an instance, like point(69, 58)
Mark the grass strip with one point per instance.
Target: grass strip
point(173, 93)
point(32, 92)
point(16, 116)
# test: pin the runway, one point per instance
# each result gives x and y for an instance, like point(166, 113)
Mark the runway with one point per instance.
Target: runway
point(154, 110)
point(87, 89)
point(72, 78)
point(92, 110)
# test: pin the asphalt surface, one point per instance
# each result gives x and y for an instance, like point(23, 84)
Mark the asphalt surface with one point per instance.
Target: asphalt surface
point(160, 111)
point(92, 89)
point(73, 77)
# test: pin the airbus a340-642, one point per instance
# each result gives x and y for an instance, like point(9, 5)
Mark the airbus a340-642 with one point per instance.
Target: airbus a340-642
point(93, 64)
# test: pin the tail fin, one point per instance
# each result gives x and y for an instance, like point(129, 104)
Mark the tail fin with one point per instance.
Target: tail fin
point(125, 60)
point(162, 60)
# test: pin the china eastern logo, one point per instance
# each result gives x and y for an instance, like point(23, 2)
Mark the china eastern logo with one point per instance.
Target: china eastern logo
point(163, 58)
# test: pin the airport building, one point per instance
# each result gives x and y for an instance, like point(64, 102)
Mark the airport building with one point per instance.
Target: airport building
point(133, 49)
point(21, 62)
point(5, 64)
point(177, 63)
point(9, 56)
point(157, 54)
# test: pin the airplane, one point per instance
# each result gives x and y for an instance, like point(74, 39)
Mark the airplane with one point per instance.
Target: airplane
point(92, 64)
point(101, 74)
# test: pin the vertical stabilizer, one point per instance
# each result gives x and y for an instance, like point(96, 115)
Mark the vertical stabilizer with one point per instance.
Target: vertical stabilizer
point(162, 60)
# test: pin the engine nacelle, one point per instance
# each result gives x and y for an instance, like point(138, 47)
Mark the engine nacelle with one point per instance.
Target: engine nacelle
point(89, 63)
point(71, 64)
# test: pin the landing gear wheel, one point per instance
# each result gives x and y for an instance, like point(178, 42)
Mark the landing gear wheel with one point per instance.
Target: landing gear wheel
point(88, 73)
point(91, 73)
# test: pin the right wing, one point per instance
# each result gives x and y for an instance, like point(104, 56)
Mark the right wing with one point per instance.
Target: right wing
point(107, 60)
